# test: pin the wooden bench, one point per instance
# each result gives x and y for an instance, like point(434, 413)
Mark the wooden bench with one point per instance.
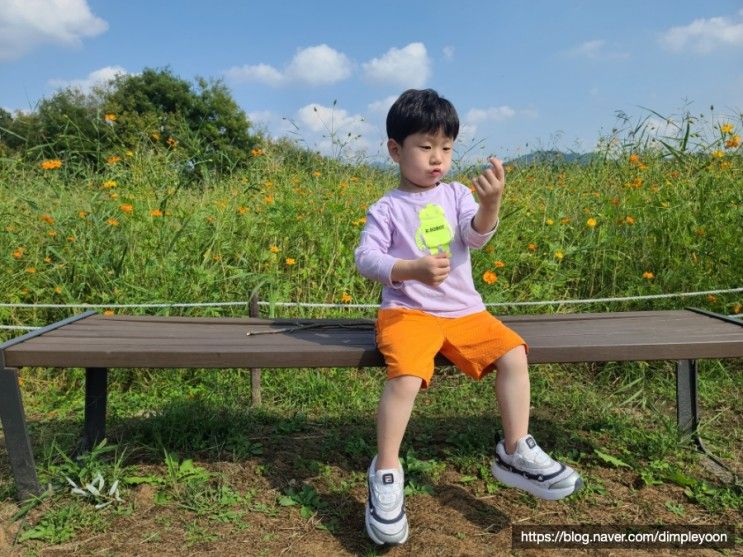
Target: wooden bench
point(97, 343)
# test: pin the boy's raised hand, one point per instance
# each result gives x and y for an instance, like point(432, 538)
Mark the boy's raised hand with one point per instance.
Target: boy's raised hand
point(489, 185)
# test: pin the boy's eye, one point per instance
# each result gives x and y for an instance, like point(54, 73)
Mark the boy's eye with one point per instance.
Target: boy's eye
point(425, 146)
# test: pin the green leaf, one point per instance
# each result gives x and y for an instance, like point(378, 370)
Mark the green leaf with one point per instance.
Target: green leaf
point(609, 459)
point(286, 501)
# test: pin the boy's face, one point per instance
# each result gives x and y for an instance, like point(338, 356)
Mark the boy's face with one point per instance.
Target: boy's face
point(424, 159)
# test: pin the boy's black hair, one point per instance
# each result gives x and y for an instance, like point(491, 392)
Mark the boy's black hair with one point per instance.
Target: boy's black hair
point(421, 111)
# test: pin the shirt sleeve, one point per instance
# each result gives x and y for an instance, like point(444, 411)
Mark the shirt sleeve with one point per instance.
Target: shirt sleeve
point(467, 210)
point(372, 258)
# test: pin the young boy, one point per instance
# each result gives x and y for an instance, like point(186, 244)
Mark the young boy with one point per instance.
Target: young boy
point(416, 242)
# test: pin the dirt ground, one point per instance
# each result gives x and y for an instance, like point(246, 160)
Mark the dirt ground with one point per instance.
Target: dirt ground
point(452, 521)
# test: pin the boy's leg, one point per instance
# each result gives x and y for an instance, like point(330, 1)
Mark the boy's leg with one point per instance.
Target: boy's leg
point(519, 461)
point(393, 415)
point(385, 518)
point(512, 389)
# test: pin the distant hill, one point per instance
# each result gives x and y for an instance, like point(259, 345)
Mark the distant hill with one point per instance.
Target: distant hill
point(540, 157)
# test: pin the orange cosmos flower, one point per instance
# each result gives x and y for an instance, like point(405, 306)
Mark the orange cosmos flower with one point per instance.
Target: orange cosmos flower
point(110, 117)
point(290, 261)
point(112, 222)
point(591, 223)
point(490, 277)
point(346, 298)
point(648, 275)
point(127, 208)
point(156, 213)
point(113, 159)
point(532, 247)
point(499, 264)
point(51, 164)
point(47, 219)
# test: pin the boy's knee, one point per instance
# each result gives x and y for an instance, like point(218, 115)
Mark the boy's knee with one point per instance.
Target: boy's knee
point(405, 384)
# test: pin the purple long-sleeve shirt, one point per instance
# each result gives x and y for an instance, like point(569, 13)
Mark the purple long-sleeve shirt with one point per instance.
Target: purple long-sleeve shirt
point(410, 225)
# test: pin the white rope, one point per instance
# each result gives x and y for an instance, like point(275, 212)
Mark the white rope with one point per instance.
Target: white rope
point(369, 306)
point(18, 328)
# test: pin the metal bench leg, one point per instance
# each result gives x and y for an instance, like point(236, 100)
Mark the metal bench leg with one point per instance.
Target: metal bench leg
point(687, 405)
point(16, 434)
point(96, 391)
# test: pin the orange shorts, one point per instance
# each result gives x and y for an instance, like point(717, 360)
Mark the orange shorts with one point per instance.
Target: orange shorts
point(410, 339)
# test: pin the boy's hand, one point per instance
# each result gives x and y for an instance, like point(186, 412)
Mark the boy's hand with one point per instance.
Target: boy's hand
point(489, 185)
point(432, 269)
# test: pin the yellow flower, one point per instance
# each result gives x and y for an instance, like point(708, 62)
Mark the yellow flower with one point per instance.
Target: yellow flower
point(172, 142)
point(51, 164)
point(726, 128)
point(346, 298)
point(242, 210)
point(113, 195)
point(82, 214)
point(110, 117)
point(711, 298)
point(127, 208)
point(52, 233)
point(565, 220)
point(290, 261)
point(634, 158)
point(490, 277)
point(71, 239)
point(629, 219)
point(268, 199)
point(112, 222)
point(256, 152)
point(47, 219)
point(108, 184)
point(733, 142)
point(550, 222)
point(591, 223)
point(108, 312)
point(57, 289)
point(736, 308)
point(648, 275)
point(129, 153)
point(559, 255)
point(275, 249)
point(113, 159)
point(316, 173)
point(155, 136)
point(532, 247)
point(499, 264)
point(31, 270)
point(156, 213)
point(718, 154)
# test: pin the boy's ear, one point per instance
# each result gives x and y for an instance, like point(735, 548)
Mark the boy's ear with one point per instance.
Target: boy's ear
point(394, 149)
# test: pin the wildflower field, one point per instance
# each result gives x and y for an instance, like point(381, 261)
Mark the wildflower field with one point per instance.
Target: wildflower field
point(199, 470)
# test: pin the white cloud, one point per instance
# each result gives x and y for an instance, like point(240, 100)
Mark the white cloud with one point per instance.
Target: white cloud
point(94, 78)
point(333, 130)
point(409, 66)
point(25, 24)
point(495, 114)
point(315, 65)
point(319, 65)
point(382, 106)
point(595, 50)
point(704, 35)
point(448, 52)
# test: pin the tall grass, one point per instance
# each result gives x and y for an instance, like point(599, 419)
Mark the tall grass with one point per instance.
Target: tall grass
point(632, 222)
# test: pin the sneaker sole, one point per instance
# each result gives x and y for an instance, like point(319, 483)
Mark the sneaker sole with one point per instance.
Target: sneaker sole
point(516, 480)
point(381, 539)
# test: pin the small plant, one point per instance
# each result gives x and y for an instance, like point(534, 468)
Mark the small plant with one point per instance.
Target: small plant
point(307, 497)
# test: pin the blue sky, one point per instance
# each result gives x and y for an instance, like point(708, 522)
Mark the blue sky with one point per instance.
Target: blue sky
point(523, 75)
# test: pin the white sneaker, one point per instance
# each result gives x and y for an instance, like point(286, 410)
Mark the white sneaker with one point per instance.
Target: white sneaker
point(385, 508)
point(531, 469)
